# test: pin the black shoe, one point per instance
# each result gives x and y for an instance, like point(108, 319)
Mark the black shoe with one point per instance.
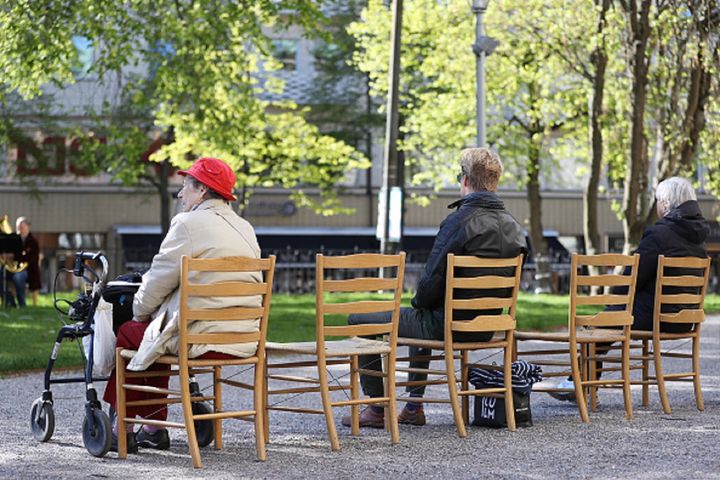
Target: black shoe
point(159, 440)
point(132, 446)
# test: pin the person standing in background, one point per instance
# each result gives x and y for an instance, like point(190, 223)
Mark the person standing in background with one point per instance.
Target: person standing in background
point(30, 276)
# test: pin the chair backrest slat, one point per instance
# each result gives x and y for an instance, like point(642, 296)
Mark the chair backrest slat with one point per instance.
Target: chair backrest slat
point(365, 330)
point(226, 289)
point(359, 284)
point(362, 306)
point(605, 319)
point(683, 281)
point(490, 281)
point(611, 280)
point(224, 338)
point(228, 264)
point(607, 299)
point(231, 313)
point(481, 303)
point(684, 316)
point(485, 323)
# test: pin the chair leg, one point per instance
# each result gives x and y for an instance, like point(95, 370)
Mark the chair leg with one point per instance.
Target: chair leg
point(579, 389)
point(626, 375)
point(452, 391)
point(592, 375)
point(259, 407)
point(354, 394)
point(696, 370)
point(217, 406)
point(188, 416)
point(660, 376)
point(121, 412)
point(266, 404)
point(465, 385)
point(645, 373)
point(509, 399)
point(391, 393)
point(327, 405)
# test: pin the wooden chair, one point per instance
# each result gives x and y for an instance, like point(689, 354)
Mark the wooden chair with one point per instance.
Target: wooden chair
point(192, 268)
point(589, 324)
point(331, 301)
point(500, 279)
point(681, 282)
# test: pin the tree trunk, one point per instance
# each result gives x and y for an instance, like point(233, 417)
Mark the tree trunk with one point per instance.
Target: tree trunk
point(590, 197)
point(636, 173)
point(163, 187)
point(535, 199)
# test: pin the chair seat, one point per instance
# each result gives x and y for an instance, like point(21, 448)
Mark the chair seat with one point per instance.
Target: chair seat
point(334, 348)
point(498, 341)
point(647, 334)
point(583, 336)
point(199, 362)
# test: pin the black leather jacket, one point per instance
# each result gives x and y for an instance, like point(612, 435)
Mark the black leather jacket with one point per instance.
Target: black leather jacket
point(482, 227)
point(680, 233)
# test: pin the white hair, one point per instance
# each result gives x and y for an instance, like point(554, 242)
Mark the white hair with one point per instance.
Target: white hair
point(673, 192)
point(21, 220)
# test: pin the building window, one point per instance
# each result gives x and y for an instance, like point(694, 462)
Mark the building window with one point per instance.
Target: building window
point(82, 63)
point(285, 51)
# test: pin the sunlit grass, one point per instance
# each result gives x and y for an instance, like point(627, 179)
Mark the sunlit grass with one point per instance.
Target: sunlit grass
point(27, 335)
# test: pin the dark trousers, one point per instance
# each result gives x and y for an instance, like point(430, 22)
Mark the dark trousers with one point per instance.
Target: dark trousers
point(414, 323)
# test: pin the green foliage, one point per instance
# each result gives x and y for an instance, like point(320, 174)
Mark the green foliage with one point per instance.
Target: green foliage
point(197, 73)
point(529, 94)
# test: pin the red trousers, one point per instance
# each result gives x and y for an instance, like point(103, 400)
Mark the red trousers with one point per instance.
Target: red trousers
point(130, 335)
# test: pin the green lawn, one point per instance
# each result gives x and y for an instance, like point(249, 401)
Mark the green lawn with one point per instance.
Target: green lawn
point(27, 335)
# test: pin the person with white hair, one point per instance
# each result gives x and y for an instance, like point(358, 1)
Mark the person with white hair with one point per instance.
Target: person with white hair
point(680, 232)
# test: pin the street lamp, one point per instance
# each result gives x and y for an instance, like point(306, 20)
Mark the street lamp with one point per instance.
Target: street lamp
point(482, 47)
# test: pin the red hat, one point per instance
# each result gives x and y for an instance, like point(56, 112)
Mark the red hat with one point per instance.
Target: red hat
point(214, 173)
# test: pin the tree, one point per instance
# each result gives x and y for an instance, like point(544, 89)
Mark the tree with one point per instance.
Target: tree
point(530, 98)
point(672, 59)
point(196, 72)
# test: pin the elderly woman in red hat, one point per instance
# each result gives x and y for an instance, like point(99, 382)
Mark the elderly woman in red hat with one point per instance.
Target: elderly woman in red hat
point(207, 227)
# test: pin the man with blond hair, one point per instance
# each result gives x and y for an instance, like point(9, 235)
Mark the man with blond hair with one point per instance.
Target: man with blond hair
point(479, 226)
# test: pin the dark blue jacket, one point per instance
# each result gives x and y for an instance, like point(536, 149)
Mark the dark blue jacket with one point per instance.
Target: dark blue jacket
point(680, 233)
point(482, 227)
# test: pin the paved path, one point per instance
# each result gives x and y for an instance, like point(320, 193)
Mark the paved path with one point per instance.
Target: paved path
point(685, 444)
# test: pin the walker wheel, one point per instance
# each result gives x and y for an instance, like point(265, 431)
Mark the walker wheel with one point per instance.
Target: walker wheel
point(42, 420)
point(97, 440)
point(204, 429)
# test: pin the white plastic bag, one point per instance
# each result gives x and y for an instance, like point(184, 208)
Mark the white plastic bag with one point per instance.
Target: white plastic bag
point(104, 349)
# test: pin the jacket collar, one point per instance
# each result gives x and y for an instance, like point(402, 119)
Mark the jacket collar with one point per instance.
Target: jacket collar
point(211, 204)
point(482, 198)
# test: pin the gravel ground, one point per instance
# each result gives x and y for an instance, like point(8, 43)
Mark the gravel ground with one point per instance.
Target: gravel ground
point(653, 445)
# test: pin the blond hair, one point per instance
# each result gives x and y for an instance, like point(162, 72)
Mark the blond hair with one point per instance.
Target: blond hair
point(482, 167)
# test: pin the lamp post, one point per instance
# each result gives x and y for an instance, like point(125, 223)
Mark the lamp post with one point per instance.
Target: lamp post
point(482, 47)
point(390, 204)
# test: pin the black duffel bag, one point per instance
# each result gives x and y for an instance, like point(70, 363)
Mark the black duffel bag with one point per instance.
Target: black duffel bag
point(490, 411)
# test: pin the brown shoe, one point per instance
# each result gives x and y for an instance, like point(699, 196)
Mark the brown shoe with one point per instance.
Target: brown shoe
point(412, 417)
point(368, 418)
